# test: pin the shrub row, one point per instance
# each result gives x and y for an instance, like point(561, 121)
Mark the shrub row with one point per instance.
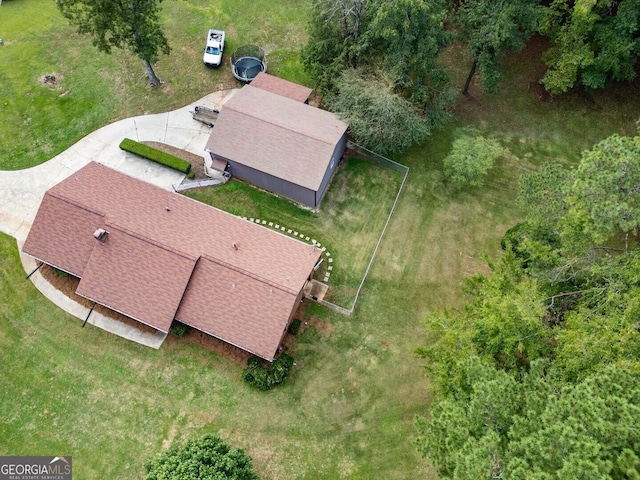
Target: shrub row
point(265, 379)
point(155, 155)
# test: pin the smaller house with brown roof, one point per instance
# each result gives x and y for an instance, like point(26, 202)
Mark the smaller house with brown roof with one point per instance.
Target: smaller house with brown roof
point(268, 136)
point(156, 256)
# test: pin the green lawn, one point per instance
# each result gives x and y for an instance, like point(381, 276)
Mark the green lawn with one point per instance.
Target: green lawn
point(348, 224)
point(93, 89)
point(347, 409)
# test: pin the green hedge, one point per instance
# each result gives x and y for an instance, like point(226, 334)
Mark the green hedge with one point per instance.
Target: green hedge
point(153, 154)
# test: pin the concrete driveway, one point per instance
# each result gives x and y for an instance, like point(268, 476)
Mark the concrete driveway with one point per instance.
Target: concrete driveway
point(22, 191)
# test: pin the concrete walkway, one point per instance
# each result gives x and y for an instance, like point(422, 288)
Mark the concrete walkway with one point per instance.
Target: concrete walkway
point(22, 191)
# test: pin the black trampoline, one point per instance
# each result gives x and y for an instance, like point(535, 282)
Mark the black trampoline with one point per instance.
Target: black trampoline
point(247, 62)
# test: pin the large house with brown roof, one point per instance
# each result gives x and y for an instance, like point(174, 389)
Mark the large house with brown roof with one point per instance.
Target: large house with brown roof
point(156, 256)
point(270, 137)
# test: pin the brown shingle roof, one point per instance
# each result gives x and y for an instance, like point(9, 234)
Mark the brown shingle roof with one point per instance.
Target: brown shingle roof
point(279, 86)
point(138, 278)
point(62, 234)
point(277, 135)
point(210, 304)
point(155, 239)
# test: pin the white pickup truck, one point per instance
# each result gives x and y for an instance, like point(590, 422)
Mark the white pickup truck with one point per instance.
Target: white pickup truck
point(213, 48)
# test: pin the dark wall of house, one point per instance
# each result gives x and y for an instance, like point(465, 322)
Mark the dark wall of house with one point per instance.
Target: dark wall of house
point(277, 185)
point(333, 164)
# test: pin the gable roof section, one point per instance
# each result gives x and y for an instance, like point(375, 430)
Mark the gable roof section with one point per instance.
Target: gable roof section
point(145, 265)
point(282, 87)
point(136, 277)
point(236, 307)
point(276, 135)
point(62, 234)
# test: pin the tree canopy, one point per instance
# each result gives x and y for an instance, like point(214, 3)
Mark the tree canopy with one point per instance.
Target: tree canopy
point(470, 160)
point(552, 334)
point(593, 42)
point(405, 37)
point(378, 118)
point(393, 46)
point(205, 458)
point(130, 24)
point(499, 427)
point(491, 28)
point(604, 196)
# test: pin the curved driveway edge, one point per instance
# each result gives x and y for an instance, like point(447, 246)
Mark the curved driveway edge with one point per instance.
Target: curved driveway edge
point(21, 191)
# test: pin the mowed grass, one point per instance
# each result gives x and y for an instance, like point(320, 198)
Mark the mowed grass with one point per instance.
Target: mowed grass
point(347, 409)
point(92, 89)
point(348, 224)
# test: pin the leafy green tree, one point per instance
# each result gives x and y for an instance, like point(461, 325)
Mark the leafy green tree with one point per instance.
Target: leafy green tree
point(400, 39)
point(334, 30)
point(506, 314)
point(542, 194)
point(408, 36)
point(131, 24)
point(470, 160)
point(502, 325)
point(378, 118)
point(593, 42)
point(603, 327)
point(491, 28)
point(467, 436)
point(587, 430)
point(205, 458)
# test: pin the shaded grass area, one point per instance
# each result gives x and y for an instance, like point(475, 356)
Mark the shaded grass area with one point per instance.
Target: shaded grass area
point(348, 223)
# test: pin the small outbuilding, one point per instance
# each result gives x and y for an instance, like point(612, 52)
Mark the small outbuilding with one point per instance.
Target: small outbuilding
point(277, 142)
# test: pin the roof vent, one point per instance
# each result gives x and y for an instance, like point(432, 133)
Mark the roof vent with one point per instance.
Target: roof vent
point(100, 235)
point(234, 245)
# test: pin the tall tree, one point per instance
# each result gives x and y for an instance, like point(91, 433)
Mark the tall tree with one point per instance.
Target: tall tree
point(334, 32)
point(470, 160)
point(378, 118)
point(604, 197)
point(130, 24)
point(491, 28)
point(408, 36)
point(497, 426)
point(594, 41)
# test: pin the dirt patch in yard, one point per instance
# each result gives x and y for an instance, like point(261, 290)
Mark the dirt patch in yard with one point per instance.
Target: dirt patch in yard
point(51, 80)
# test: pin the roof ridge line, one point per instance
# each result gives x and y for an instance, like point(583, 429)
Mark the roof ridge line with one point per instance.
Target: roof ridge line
point(248, 274)
point(139, 236)
point(84, 207)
